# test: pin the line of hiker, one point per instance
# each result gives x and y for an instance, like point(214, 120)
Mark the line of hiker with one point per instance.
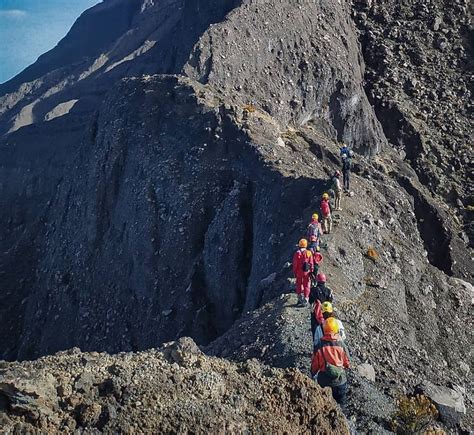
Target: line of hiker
point(330, 355)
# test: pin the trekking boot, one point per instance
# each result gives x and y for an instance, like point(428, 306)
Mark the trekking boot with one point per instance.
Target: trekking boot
point(300, 300)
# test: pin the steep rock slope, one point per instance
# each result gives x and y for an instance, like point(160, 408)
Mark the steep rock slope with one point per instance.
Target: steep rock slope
point(166, 205)
point(143, 209)
point(281, 64)
point(419, 78)
point(403, 315)
point(137, 39)
point(174, 390)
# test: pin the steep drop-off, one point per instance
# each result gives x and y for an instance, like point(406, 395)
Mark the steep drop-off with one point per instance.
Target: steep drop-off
point(158, 205)
point(139, 209)
point(155, 178)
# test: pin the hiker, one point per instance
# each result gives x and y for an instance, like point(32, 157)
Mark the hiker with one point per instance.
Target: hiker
point(314, 228)
point(319, 295)
point(327, 311)
point(321, 291)
point(344, 150)
point(330, 360)
point(326, 214)
point(313, 244)
point(337, 188)
point(346, 170)
point(302, 269)
point(317, 259)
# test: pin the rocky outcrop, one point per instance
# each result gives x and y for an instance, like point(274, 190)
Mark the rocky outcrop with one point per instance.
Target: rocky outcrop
point(280, 64)
point(174, 390)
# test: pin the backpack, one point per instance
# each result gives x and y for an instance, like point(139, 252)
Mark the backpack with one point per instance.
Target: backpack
point(313, 230)
point(346, 164)
point(332, 372)
point(325, 210)
point(322, 293)
point(336, 186)
point(306, 263)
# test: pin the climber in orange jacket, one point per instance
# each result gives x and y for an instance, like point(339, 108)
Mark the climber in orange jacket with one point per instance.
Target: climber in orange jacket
point(303, 267)
point(330, 359)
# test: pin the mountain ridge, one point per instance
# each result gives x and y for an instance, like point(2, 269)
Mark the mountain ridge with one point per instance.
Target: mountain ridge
point(172, 177)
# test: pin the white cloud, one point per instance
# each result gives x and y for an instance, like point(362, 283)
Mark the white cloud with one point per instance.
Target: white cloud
point(12, 13)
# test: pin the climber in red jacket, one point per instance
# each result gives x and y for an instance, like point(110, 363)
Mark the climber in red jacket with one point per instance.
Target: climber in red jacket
point(330, 359)
point(303, 266)
point(326, 213)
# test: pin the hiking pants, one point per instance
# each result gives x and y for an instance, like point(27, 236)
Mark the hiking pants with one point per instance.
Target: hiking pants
point(314, 325)
point(346, 175)
point(327, 224)
point(339, 393)
point(303, 285)
point(337, 199)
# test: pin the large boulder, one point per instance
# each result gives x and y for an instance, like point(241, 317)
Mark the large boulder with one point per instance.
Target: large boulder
point(28, 393)
point(448, 401)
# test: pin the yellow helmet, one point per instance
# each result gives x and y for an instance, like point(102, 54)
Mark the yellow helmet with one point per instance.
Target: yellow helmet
point(315, 216)
point(303, 243)
point(331, 326)
point(326, 307)
point(325, 195)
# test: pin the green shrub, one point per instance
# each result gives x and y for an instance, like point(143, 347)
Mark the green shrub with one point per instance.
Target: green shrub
point(414, 414)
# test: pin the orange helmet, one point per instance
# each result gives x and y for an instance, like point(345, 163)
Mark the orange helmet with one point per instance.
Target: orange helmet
point(303, 243)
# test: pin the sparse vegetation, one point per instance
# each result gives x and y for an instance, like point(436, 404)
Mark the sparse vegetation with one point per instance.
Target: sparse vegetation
point(249, 108)
point(414, 415)
point(372, 254)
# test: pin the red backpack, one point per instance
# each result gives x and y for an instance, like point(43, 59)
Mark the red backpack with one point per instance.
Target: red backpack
point(325, 210)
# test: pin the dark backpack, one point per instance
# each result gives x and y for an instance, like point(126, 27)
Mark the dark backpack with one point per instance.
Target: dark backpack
point(346, 164)
point(322, 293)
point(306, 263)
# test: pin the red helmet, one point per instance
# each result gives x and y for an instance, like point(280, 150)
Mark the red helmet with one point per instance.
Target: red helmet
point(320, 277)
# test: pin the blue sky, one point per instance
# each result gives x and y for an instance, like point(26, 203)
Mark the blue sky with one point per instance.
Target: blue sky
point(28, 28)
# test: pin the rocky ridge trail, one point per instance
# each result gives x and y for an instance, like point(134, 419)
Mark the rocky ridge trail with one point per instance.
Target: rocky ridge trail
point(391, 325)
point(183, 166)
point(176, 389)
point(94, 209)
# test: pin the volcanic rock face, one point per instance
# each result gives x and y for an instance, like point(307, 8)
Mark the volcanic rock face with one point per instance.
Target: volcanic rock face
point(156, 172)
point(164, 201)
point(157, 205)
point(419, 58)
